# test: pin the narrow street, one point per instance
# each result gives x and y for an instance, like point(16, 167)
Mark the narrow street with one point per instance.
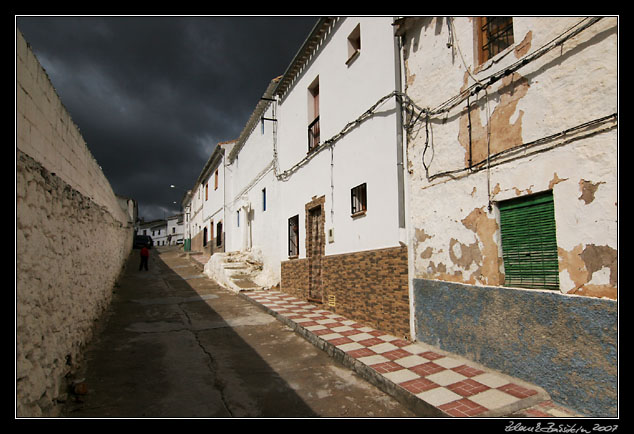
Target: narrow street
point(175, 344)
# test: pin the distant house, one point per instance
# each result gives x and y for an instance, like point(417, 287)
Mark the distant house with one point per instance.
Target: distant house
point(175, 230)
point(204, 205)
point(157, 229)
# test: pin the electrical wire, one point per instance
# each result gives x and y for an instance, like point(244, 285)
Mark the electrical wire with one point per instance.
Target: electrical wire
point(483, 84)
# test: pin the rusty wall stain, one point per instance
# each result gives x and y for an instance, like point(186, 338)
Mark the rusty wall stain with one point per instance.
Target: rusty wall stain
point(523, 47)
point(439, 272)
point(588, 189)
point(485, 227)
point(581, 262)
point(504, 133)
point(469, 253)
point(597, 257)
point(556, 180)
point(427, 253)
point(421, 236)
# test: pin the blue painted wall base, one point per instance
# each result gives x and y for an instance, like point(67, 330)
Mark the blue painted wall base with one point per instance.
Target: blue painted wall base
point(565, 344)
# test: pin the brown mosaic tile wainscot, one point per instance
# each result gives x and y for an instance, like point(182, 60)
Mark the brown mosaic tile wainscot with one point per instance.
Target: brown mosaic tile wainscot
point(369, 286)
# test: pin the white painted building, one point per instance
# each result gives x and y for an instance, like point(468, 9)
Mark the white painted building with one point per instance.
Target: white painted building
point(338, 85)
point(344, 191)
point(175, 230)
point(346, 185)
point(253, 204)
point(157, 229)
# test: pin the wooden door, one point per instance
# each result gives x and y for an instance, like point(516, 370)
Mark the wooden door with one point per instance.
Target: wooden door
point(315, 252)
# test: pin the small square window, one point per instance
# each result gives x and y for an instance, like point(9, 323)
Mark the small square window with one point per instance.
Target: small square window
point(358, 199)
point(495, 35)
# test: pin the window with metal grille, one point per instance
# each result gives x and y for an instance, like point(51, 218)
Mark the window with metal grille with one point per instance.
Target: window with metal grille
point(358, 199)
point(496, 34)
point(313, 115)
point(529, 243)
point(293, 236)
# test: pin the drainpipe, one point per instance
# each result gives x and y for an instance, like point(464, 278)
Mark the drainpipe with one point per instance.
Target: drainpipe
point(400, 169)
point(403, 186)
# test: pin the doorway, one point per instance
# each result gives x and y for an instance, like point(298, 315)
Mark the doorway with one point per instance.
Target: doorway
point(315, 248)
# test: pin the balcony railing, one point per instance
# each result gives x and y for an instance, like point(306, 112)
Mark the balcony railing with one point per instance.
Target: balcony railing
point(313, 134)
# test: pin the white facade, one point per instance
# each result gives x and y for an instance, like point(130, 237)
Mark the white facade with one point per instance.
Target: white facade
point(175, 230)
point(212, 191)
point(252, 198)
point(270, 175)
point(159, 234)
point(366, 154)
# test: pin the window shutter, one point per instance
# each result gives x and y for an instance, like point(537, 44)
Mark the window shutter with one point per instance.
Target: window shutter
point(529, 243)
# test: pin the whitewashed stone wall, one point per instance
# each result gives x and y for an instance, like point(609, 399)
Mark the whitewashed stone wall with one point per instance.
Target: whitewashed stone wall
point(72, 240)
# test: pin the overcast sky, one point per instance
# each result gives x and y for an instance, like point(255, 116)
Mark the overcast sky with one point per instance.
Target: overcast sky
point(152, 96)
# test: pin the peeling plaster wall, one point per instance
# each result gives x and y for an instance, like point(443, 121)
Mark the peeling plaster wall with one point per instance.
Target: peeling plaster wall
point(459, 240)
point(518, 137)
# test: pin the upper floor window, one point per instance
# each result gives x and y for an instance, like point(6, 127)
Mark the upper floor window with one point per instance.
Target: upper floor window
point(354, 44)
point(216, 180)
point(313, 115)
point(495, 34)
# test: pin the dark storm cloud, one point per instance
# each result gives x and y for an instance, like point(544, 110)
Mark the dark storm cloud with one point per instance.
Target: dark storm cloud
point(153, 95)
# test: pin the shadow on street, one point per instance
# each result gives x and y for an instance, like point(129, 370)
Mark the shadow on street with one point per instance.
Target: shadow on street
point(175, 344)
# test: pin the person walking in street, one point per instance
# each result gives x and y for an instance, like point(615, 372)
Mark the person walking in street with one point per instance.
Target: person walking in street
point(145, 254)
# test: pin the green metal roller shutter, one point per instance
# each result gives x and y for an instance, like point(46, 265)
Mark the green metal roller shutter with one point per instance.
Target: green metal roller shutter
point(529, 243)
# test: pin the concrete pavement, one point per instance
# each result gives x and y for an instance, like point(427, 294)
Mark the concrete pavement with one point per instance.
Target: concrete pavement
point(175, 344)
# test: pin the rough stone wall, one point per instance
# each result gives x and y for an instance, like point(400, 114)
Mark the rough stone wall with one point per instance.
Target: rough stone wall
point(369, 286)
point(72, 240)
point(70, 251)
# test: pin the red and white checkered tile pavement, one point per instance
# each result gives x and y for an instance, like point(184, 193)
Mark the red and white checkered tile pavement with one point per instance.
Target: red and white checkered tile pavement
point(449, 383)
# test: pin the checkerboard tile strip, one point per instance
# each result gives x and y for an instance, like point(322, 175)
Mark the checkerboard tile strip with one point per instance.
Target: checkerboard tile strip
point(454, 387)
